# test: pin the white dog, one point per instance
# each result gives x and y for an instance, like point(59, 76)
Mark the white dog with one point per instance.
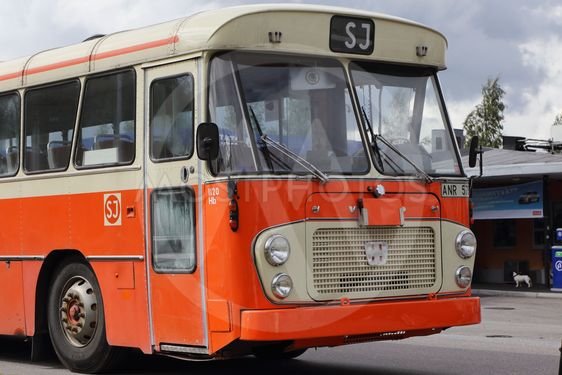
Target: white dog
point(519, 279)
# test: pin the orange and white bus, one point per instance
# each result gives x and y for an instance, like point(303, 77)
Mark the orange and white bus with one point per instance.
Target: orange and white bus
point(252, 180)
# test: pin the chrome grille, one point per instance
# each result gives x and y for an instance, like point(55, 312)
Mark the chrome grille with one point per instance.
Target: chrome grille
point(339, 261)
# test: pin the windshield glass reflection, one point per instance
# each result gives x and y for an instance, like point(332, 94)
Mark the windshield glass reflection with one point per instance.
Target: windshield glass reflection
point(301, 103)
point(403, 107)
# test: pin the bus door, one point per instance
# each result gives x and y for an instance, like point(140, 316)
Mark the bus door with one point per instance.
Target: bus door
point(175, 275)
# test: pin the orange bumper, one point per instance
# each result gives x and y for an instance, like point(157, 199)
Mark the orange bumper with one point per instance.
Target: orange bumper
point(345, 320)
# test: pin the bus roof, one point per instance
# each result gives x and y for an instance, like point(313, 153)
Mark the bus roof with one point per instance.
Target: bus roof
point(304, 28)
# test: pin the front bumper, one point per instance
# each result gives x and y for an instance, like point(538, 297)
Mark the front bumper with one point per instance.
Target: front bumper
point(358, 319)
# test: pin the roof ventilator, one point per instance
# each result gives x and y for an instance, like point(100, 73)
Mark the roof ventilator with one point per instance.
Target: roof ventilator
point(275, 36)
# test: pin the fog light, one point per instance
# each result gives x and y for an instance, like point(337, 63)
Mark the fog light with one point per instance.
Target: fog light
point(281, 285)
point(465, 244)
point(463, 276)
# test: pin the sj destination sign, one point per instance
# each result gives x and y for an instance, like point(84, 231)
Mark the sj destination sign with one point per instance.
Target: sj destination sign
point(352, 35)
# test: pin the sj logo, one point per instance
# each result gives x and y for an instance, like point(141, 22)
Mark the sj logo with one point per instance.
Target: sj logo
point(112, 209)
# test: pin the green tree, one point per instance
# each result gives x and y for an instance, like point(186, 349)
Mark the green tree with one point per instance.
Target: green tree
point(486, 120)
point(557, 120)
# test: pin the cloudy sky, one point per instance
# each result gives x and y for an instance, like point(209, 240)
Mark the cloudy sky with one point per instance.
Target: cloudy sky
point(519, 41)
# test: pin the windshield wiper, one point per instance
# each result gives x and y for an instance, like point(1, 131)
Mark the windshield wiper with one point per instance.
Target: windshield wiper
point(421, 172)
point(376, 137)
point(374, 145)
point(284, 150)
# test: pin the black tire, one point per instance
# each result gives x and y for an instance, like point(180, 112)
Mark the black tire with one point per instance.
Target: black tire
point(276, 353)
point(76, 319)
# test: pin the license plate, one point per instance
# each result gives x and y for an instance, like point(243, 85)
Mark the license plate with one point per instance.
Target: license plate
point(377, 253)
point(454, 190)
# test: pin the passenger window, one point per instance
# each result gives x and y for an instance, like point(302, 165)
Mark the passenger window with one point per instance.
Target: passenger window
point(107, 122)
point(171, 118)
point(173, 231)
point(49, 117)
point(9, 134)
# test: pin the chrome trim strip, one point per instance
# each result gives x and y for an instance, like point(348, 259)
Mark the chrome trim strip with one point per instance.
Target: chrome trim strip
point(145, 210)
point(183, 349)
point(101, 258)
point(10, 258)
point(201, 221)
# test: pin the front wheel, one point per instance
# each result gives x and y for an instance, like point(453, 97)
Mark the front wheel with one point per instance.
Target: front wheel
point(76, 319)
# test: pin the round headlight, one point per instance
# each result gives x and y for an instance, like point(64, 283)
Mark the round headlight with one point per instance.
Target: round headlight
point(281, 285)
point(463, 276)
point(277, 250)
point(465, 244)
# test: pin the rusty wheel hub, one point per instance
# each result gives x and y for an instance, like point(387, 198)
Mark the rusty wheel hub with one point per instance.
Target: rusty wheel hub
point(78, 311)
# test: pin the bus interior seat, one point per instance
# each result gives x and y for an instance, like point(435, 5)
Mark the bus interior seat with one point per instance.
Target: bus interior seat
point(35, 160)
point(58, 153)
point(123, 143)
point(12, 156)
point(3, 165)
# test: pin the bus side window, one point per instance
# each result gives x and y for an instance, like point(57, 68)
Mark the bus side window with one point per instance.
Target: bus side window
point(107, 122)
point(9, 134)
point(171, 118)
point(49, 117)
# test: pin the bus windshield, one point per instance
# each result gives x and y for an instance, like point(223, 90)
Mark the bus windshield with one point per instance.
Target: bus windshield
point(405, 111)
point(302, 104)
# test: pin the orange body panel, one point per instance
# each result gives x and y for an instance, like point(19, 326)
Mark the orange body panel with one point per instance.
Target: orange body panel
point(231, 274)
point(233, 290)
point(124, 294)
point(30, 275)
point(12, 319)
point(346, 320)
point(39, 225)
point(177, 310)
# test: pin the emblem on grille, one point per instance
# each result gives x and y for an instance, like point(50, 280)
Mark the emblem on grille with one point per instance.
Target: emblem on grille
point(377, 253)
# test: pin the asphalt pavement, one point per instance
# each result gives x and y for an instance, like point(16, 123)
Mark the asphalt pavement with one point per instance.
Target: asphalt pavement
point(518, 335)
point(510, 290)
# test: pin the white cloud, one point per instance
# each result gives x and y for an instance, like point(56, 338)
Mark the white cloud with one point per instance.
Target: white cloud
point(541, 99)
point(459, 109)
point(485, 39)
point(44, 24)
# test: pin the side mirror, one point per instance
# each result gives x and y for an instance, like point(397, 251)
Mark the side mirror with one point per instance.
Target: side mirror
point(207, 141)
point(473, 152)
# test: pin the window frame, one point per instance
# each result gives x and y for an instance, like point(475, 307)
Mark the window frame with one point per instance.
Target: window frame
point(19, 130)
point(81, 113)
point(539, 230)
point(191, 192)
point(23, 120)
point(150, 118)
